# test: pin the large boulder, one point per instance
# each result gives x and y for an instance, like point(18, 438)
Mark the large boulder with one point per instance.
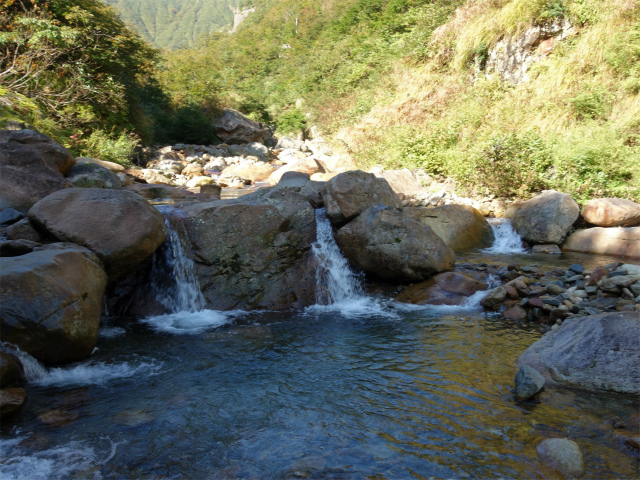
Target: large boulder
point(258, 150)
point(347, 195)
point(460, 226)
point(157, 191)
point(256, 172)
point(546, 218)
point(612, 212)
point(254, 252)
point(26, 176)
point(623, 242)
point(54, 154)
point(599, 352)
point(401, 181)
point(232, 128)
point(307, 165)
point(449, 288)
point(51, 302)
point(386, 243)
point(119, 226)
point(114, 167)
point(88, 175)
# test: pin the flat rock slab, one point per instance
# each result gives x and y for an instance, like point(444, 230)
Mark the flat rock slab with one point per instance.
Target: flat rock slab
point(598, 352)
point(612, 212)
point(624, 242)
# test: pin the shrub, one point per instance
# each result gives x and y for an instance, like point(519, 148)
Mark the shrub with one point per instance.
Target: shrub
point(590, 104)
point(101, 145)
point(292, 121)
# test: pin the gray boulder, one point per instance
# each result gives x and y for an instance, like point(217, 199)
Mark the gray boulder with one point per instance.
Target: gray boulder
point(51, 302)
point(460, 226)
point(294, 180)
point(90, 175)
point(55, 155)
point(114, 167)
point(119, 226)
point(258, 150)
point(232, 128)
point(547, 218)
point(598, 352)
point(562, 454)
point(289, 143)
point(528, 382)
point(348, 194)
point(254, 252)
point(386, 243)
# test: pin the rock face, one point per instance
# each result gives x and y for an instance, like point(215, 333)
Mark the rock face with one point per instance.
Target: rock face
point(26, 176)
point(546, 218)
point(450, 288)
point(562, 454)
point(460, 226)
point(348, 194)
point(612, 212)
point(54, 154)
point(386, 243)
point(623, 242)
point(598, 352)
point(88, 175)
point(119, 226)
point(51, 302)
point(254, 252)
point(232, 127)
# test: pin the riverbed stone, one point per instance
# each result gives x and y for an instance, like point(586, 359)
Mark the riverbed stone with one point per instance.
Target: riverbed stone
point(460, 226)
point(619, 241)
point(114, 167)
point(494, 298)
point(256, 172)
point(449, 288)
point(11, 371)
point(348, 194)
point(545, 219)
point(308, 165)
point(118, 225)
point(88, 175)
point(156, 192)
point(598, 352)
point(528, 382)
point(12, 400)
point(562, 454)
point(254, 252)
point(612, 212)
point(51, 302)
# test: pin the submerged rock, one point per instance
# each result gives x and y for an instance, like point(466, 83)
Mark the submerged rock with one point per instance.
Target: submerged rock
point(119, 226)
point(528, 382)
point(51, 302)
point(598, 352)
point(562, 454)
point(449, 288)
point(386, 243)
point(12, 400)
point(547, 218)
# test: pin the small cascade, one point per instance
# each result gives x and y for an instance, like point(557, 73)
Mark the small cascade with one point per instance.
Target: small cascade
point(33, 369)
point(174, 280)
point(336, 282)
point(506, 238)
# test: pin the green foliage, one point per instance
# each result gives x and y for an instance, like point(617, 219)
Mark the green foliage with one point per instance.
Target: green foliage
point(105, 146)
point(291, 122)
point(590, 104)
point(552, 10)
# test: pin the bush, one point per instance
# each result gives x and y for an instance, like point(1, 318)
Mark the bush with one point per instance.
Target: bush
point(590, 104)
point(291, 122)
point(102, 146)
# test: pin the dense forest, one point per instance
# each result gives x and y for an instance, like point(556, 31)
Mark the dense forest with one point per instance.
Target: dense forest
point(391, 82)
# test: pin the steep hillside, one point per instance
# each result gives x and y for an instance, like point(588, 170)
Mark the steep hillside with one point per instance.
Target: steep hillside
point(176, 23)
point(507, 96)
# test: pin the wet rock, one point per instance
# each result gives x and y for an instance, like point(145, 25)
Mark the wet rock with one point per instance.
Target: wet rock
point(515, 314)
point(11, 401)
point(348, 194)
point(460, 226)
point(90, 175)
point(562, 454)
point(114, 167)
point(494, 298)
point(55, 155)
point(11, 371)
point(598, 352)
point(118, 225)
point(612, 212)
point(605, 241)
point(545, 219)
point(254, 252)
point(528, 382)
point(58, 418)
point(386, 243)
point(553, 249)
point(450, 288)
point(234, 128)
point(309, 166)
point(15, 248)
point(52, 301)
point(9, 216)
point(132, 418)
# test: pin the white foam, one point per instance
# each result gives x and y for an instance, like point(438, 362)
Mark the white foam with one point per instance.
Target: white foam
point(471, 303)
point(96, 373)
point(109, 332)
point(182, 323)
point(355, 308)
point(57, 462)
point(506, 238)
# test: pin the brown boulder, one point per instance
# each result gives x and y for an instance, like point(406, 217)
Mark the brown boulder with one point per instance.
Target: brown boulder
point(347, 195)
point(12, 400)
point(26, 176)
point(449, 288)
point(386, 243)
point(612, 212)
point(460, 226)
point(51, 302)
point(119, 226)
point(156, 191)
point(53, 154)
point(307, 165)
point(256, 172)
point(114, 167)
point(545, 219)
point(623, 242)
point(401, 181)
point(232, 128)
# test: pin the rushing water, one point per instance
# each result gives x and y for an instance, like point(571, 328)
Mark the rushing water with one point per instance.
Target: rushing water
point(506, 239)
point(355, 388)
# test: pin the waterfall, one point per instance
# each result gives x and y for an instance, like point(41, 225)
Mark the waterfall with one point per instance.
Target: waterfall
point(336, 282)
point(506, 238)
point(33, 369)
point(174, 280)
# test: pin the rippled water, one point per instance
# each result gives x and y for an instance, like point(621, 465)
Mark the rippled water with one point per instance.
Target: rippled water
point(411, 393)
